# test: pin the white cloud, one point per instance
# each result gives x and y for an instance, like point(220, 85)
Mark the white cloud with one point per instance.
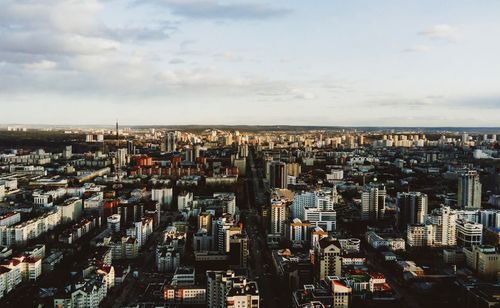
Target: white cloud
point(441, 32)
point(41, 65)
point(301, 94)
point(176, 61)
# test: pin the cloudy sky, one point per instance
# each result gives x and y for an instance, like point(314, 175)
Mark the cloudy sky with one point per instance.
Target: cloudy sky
point(328, 62)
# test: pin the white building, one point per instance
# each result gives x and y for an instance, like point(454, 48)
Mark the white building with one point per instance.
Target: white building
point(114, 223)
point(278, 216)
point(376, 241)
point(87, 293)
point(229, 200)
point(218, 285)
point(341, 292)
point(325, 219)
point(163, 195)
point(184, 200)
point(373, 202)
point(243, 296)
point(443, 220)
point(20, 233)
point(168, 258)
point(298, 232)
point(10, 219)
point(70, 210)
point(419, 235)
point(184, 276)
point(469, 233)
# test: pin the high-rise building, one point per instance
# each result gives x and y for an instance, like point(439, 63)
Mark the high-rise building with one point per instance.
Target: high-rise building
point(163, 195)
point(121, 157)
point(325, 219)
point(412, 208)
point(188, 154)
point(278, 175)
point(419, 235)
point(301, 201)
point(238, 250)
point(373, 202)
point(68, 152)
point(444, 224)
point(294, 169)
point(218, 285)
point(320, 200)
point(184, 200)
point(170, 142)
point(205, 221)
point(130, 147)
point(223, 228)
point(342, 293)
point(278, 216)
point(114, 223)
point(327, 258)
point(298, 232)
point(469, 190)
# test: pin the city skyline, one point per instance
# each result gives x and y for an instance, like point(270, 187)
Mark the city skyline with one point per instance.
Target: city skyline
point(210, 62)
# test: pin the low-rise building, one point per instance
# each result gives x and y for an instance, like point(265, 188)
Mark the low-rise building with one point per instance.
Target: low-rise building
point(377, 241)
point(483, 259)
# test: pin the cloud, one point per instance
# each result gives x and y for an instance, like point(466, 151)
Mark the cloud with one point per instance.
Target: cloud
point(176, 61)
point(418, 49)
point(41, 65)
point(227, 56)
point(51, 43)
point(479, 102)
point(301, 94)
point(212, 9)
point(441, 32)
point(129, 33)
point(393, 101)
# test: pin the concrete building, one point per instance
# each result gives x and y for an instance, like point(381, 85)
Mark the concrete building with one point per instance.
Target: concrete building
point(243, 296)
point(113, 223)
point(163, 195)
point(327, 258)
point(469, 233)
point(327, 220)
point(412, 208)
point(377, 241)
point(419, 235)
point(373, 202)
point(342, 292)
point(21, 233)
point(278, 217)
point(218, 285)
point(278, 175)
point(469, 190)
point(184, 200)
point(88, 292)
point(485, 260)
point(184, 296)
point(184, 276)
point(444, 224)
point(298, 232)
point(70, 210)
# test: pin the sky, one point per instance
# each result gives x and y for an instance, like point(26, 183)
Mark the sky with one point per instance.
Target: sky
point(324, 62)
